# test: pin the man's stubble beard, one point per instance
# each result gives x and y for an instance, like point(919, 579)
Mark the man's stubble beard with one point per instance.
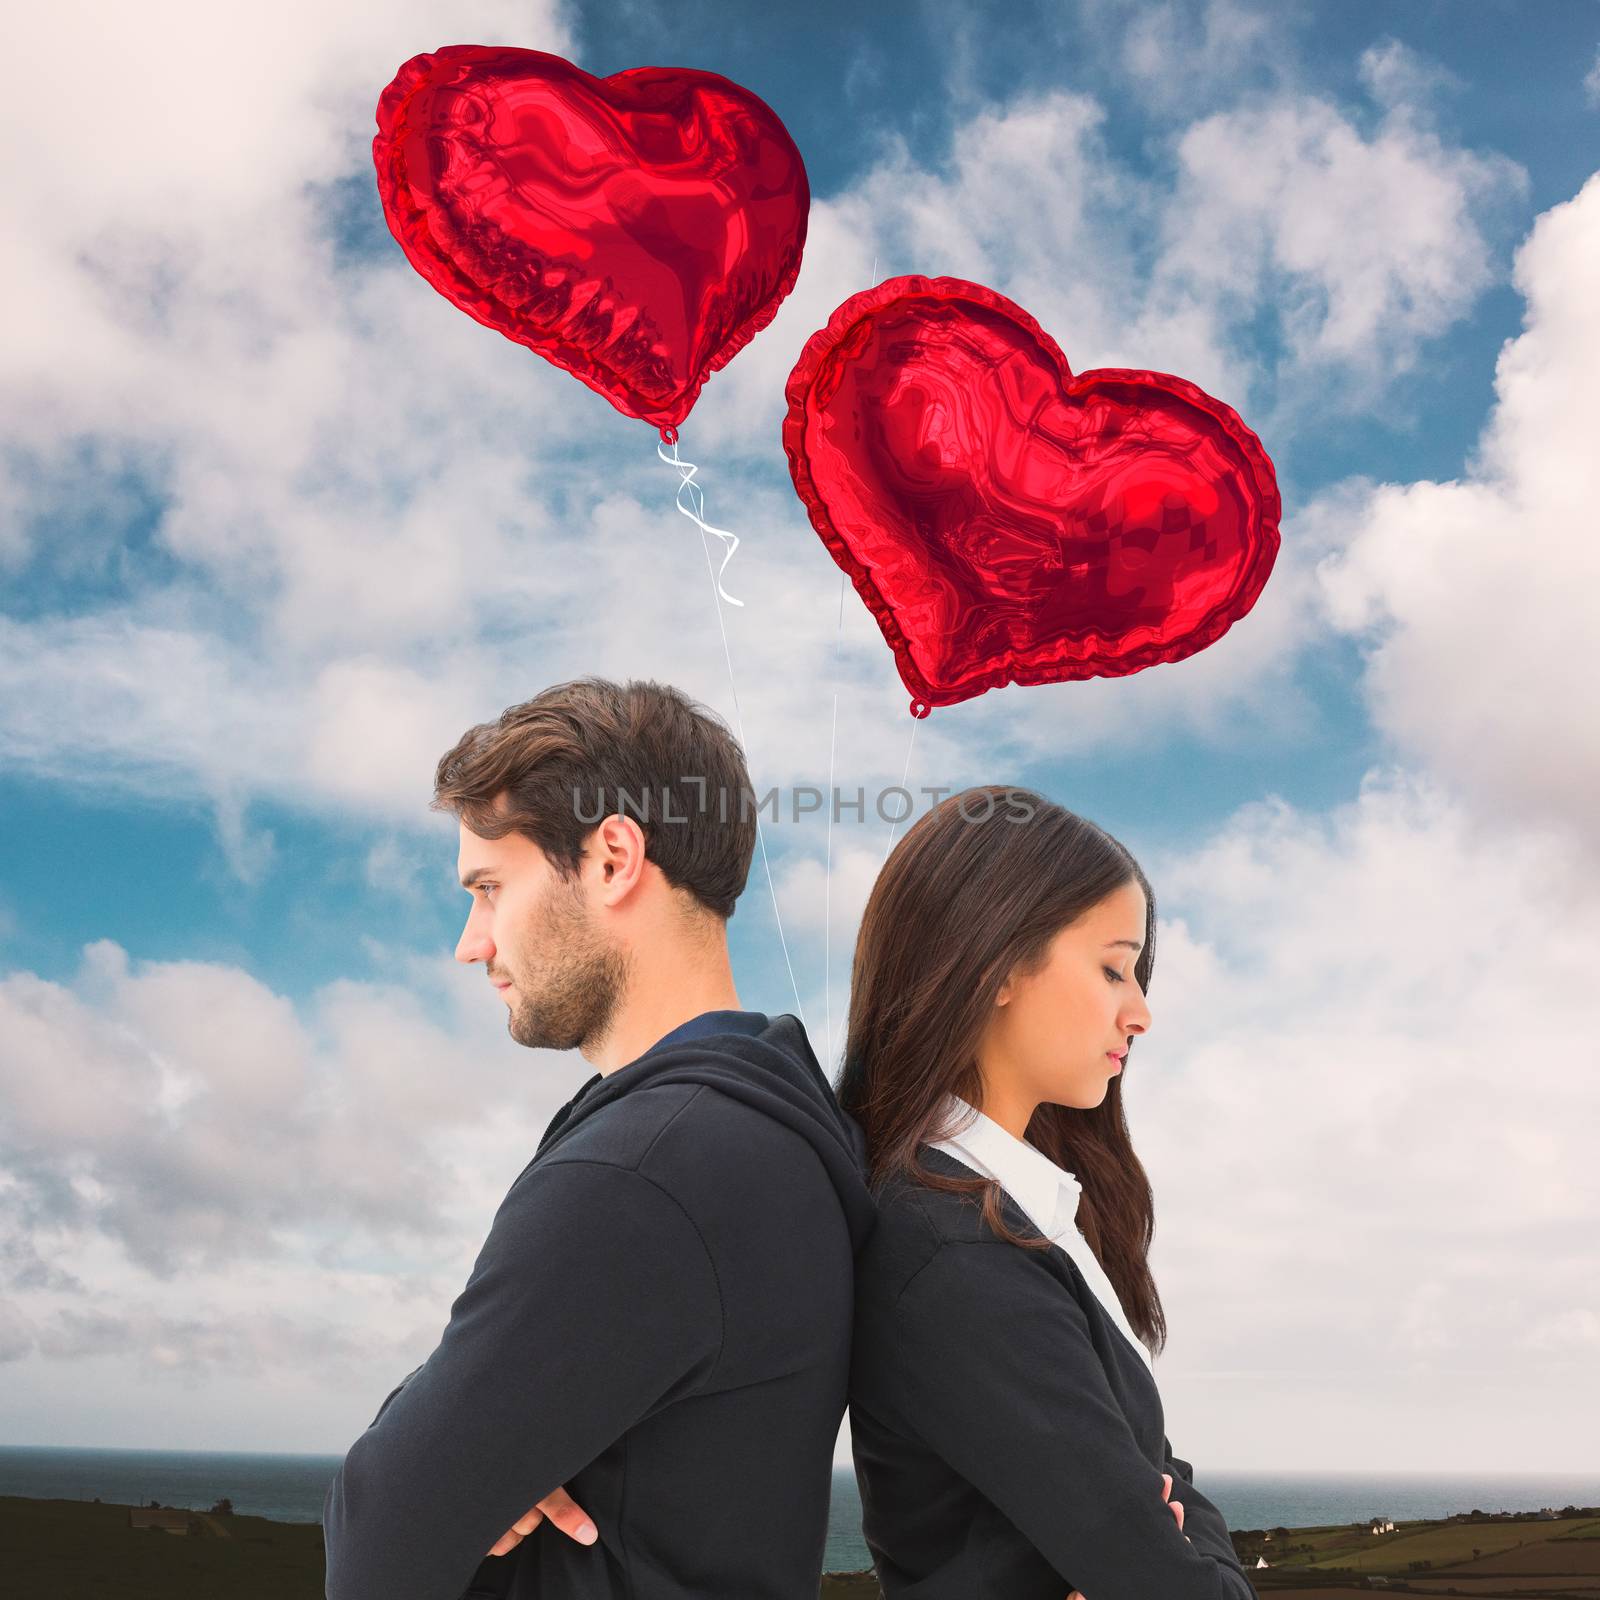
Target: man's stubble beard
point(573, 999)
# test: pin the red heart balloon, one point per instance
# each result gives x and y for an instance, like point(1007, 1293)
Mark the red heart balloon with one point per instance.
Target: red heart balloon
point(1007, 522)
point(637, 230)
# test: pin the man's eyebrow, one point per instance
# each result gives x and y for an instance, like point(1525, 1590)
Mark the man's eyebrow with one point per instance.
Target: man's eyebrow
point(1132, 944)
point(476, 873)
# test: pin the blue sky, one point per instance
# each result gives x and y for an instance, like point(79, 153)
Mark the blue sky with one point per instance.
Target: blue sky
point(277, 523)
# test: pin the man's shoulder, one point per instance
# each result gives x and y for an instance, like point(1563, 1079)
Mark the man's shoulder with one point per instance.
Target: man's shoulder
point(660, 1128)
point(620, 1133)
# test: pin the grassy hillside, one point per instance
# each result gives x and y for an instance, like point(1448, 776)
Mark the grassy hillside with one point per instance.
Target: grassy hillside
point(72, 1550)
point(67, 1549)
point(1493, 1559)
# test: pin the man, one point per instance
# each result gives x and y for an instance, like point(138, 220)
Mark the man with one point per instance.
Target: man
point(655, 1337)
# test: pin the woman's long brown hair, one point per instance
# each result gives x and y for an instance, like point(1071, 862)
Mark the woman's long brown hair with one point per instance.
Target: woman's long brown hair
point(977, 889)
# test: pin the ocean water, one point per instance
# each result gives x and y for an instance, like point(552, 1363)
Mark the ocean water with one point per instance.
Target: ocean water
point(290, 1488)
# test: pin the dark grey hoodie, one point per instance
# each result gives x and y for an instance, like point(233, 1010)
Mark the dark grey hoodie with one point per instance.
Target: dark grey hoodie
point(660, 1321)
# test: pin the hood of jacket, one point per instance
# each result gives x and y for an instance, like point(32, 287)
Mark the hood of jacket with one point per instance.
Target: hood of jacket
point(776, 1072)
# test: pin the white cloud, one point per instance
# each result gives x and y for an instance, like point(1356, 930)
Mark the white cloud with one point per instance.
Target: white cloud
point(1369, 1066)
point(1363, 246)
point(394, 867)
point(1400, 78)
point(185, 1111)
point(1179, 55)
point(200, 1181)
point(308, 417)
point(1475, 598)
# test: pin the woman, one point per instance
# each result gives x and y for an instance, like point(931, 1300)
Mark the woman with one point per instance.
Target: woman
point(1008, 1433)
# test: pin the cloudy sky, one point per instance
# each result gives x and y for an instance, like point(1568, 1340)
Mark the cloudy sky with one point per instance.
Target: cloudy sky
point(277, 523)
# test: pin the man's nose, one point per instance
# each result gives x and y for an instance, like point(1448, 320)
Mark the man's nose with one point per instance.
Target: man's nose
point(474, 945)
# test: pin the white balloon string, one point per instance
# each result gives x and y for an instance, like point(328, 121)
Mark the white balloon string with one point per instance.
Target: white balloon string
point(827, 871)
point(905, 772)
point(827, 877)
point(738, 715)
point(695, 511)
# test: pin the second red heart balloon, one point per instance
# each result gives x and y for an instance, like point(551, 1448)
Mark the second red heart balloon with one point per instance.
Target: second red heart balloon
point(637, 230)
point(1007, 522)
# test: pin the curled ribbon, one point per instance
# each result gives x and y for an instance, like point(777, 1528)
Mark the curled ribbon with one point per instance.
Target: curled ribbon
point(692, 503)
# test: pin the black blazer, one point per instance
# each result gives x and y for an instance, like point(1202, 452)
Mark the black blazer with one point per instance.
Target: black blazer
point(1008, 1442)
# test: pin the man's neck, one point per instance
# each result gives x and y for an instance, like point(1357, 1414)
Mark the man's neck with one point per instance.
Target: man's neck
point(657, 1005)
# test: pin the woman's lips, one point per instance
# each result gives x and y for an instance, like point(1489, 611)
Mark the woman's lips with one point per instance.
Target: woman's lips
point(1115, 1060)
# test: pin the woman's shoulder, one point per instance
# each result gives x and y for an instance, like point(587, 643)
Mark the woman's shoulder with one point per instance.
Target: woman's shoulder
point(917, 1222)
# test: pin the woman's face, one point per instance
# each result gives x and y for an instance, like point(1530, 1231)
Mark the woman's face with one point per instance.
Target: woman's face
point(1051, 1033)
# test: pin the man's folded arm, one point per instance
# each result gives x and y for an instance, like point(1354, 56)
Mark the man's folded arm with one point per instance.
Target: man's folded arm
point(1202, 1521)
point(387, 1399)
point(593, 1302)
point(392, 1393)
point(996, 1371)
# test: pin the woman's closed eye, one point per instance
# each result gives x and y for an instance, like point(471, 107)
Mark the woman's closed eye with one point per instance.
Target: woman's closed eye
point(1112, 974)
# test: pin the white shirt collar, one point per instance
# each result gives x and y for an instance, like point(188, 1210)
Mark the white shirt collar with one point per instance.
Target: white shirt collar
point(1047, 1193)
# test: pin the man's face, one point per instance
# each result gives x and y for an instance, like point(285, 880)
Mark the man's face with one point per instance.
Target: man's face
point(562, 979)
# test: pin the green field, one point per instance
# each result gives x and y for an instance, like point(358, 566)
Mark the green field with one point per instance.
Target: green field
point(1523, 1557)
point(76, 1550)
point(72, 1550)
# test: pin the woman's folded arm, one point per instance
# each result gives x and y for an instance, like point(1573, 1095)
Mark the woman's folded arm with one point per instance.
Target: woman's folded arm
point(1202, 1521)
point(994, 1368)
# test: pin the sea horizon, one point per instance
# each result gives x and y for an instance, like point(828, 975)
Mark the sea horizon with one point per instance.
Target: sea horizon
point(289, 1486)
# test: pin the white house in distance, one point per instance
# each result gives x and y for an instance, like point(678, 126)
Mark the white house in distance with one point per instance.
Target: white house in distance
point(1382, 1525)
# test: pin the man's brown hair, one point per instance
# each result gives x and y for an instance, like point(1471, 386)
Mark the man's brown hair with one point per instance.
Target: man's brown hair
point(588, 749)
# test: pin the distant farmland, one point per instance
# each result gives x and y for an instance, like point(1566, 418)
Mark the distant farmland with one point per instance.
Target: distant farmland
point(66, 1547)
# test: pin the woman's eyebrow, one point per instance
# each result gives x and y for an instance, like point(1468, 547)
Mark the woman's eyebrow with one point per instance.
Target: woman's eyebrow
point(1132, 944)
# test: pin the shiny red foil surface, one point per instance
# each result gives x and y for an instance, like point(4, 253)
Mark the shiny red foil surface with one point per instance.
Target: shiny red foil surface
point(637, 230)
point(1007, 522)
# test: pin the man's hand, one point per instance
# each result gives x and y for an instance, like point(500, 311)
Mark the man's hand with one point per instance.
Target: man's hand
point(1176, 1507)
point(561, 1509)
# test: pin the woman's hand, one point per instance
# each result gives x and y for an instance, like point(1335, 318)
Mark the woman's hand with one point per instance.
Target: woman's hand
point(561, 1509)
point(1176, 1507)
